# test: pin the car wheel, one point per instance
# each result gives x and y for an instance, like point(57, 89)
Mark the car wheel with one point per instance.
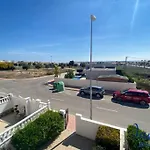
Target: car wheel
point(102, 96)
point(118, 98)
point(98, 95)
point(82, 93)
point(143, 103)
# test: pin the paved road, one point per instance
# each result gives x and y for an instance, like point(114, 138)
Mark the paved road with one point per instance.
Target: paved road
point(103, 110)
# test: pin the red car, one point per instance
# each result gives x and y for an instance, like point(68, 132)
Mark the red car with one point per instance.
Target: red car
point(133, 95)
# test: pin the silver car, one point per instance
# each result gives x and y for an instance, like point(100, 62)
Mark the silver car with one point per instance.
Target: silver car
point(96, 91)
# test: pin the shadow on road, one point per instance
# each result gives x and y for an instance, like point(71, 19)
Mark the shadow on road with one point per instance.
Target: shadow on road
point(129, 104)
point(88, 97)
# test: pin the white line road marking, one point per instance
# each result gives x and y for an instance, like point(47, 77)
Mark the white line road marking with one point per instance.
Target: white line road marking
point(61, 100)
point(106, 109)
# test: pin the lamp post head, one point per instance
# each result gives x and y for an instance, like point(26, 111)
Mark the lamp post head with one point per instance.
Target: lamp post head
point(93, 18)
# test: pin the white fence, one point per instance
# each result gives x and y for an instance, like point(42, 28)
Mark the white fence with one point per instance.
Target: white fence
point(5, 104)
point(31, 105)
point(113, 86)
point(88, 128)
point(7, 134)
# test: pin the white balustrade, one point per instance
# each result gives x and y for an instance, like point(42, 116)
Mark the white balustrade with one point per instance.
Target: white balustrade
point(42, 104)
point(5, 99)
point(6, 135)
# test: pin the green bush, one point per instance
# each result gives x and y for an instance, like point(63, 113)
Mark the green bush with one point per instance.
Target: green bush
point(135, 141)
point(70, 74)
point(108, 137)
point(123, 73)
point(45, 128)
point(98, 147)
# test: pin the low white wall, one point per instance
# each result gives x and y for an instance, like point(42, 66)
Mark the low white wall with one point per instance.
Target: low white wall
point(5, 104)
point(31, 105)
point(88, 128)
point(99, 72)
point(107, 85)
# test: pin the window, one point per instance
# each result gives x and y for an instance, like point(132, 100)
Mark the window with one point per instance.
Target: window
point(143, 95)
point(130, 94)
point(95, 89)
point(124, 91)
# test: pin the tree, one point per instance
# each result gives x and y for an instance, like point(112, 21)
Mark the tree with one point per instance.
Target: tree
point(71, 63)
point(82, 65)
point(75, 65)
point(21, 63)
point(25, 66)
point(70, 74)
point(29, 63)
point(12, 68)
point(62, 65)
point(38, 66)
point(15, 64)
point(47, 65)
point(56, 71)
point(34, 63)
point(6, 66)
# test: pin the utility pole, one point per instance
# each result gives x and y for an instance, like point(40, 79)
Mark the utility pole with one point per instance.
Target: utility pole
point(92, 18)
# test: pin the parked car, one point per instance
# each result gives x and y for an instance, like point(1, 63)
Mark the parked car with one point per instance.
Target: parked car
point(133, 95)
point(96, 91)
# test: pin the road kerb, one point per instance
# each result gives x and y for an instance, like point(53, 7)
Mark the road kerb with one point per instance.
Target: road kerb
point(72, 89)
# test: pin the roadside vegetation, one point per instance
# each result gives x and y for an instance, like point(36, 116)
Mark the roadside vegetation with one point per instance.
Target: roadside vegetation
point(22, 69)
point(44, 129)
point(107, 138)
point(137, 139)
point(140, 75)
point(70, 74)
point(6, 66)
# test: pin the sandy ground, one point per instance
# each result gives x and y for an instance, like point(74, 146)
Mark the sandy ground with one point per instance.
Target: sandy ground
point(31, 73)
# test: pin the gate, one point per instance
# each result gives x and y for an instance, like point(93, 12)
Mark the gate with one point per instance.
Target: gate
point(66, 118)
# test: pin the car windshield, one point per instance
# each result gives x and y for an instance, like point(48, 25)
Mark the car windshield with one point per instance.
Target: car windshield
point(101, 89)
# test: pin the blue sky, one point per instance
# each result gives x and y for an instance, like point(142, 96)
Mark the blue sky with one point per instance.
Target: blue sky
point(35, 30)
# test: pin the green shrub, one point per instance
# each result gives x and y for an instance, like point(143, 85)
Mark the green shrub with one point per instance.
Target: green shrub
point(108, 137)
point(135, 141)
point(45, 128)
point(123, 73)
point(70, 74)
point(98, 147)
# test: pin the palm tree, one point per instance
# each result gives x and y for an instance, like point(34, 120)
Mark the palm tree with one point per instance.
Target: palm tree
point(56, 71)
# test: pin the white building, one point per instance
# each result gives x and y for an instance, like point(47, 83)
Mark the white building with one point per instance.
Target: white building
point(96, 72)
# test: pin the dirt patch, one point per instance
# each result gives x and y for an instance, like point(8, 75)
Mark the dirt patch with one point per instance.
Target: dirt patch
point(23, 73)
point(31, 73)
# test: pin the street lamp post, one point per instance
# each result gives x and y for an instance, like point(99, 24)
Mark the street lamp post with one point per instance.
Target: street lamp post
point(93, 18)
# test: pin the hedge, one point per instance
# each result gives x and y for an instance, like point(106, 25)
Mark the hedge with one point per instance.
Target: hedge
point(123, 73)
point(45, 128)
point(69, 74)
point(108, 137)
point(136, 139)
point(98, 147)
